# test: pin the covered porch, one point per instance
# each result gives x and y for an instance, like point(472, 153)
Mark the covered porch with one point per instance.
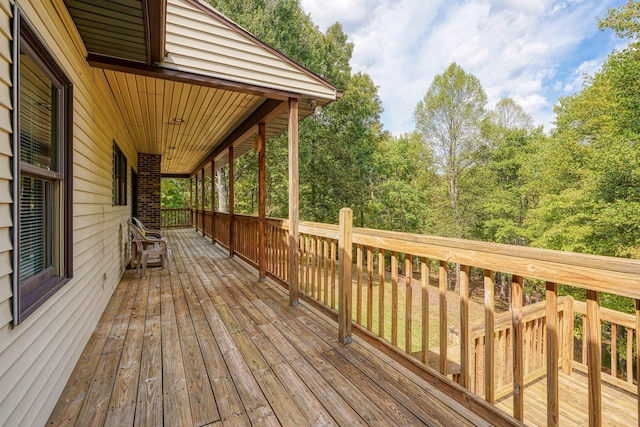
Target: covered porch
point(211, 345)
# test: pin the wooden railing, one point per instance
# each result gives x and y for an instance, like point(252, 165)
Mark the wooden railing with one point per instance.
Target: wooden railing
point(400, 290)
point(175, 218)
point(534, 345)
point(391, 301)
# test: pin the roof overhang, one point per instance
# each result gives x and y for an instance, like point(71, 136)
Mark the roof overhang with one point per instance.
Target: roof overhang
point(193, 83)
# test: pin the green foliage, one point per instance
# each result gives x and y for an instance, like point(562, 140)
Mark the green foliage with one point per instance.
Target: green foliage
point(449, 120)
point(174, 193)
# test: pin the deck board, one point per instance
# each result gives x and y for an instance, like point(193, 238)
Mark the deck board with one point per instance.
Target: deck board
point(211, 345)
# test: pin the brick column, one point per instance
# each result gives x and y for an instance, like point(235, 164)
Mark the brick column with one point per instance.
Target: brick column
point(149, 189)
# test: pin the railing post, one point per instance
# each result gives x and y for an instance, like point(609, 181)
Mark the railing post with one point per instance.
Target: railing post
point(518, 355)
point(594, 358)
point(551, 346)
point(294, 244)
point(567, 351)
point(345, 249)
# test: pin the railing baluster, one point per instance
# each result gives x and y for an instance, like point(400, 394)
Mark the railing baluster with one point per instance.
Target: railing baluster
point(394, 298)
point(369, 287)
point(408, 274)
point(489, 347)
point(594, 358)
point(443, 281)
point(567, 352)
point(614, 350)
point(333, 274)
point(359, 284)
point(518, 359)
point(327, 261)
point(381, 293)
point(630, 355)
point(465, 350)
point(424, 283)
point(553, 411)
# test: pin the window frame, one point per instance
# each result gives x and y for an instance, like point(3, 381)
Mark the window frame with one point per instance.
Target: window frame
point(31, 293)
point(120, 171)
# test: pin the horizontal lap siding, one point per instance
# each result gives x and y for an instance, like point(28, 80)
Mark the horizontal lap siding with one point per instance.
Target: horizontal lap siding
point(37, 356)
point(199, 43)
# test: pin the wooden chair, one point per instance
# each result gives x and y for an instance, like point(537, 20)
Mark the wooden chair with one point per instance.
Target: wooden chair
point(147, 246)
point(146, 231)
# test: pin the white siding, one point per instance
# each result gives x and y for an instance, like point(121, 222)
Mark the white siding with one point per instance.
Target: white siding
point(37, 356)
point(199, 43)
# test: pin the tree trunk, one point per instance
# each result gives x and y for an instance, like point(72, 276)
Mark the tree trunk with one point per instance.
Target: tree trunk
point(223, 190)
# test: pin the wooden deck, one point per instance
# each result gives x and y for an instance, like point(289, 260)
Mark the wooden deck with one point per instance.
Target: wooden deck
point(619, 407)
point(210, 345)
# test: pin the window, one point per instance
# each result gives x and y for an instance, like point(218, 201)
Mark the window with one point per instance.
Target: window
point(42, 143)
point(119, 192)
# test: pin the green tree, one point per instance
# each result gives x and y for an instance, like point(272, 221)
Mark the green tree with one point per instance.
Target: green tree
point(449, 120)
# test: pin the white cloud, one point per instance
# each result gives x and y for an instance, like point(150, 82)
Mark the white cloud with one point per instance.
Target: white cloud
point(530, 50)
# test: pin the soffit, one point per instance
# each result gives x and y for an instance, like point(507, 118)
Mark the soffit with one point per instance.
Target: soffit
point(185, 123)
point(113, 28)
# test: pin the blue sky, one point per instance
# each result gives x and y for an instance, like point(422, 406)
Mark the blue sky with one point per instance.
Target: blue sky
point(533, 51)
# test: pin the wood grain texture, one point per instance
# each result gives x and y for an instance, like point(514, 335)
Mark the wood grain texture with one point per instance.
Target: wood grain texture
point(552, 353)
point(294, 209)
point(594, 358)
point(489, 337)
point(518, 356)
point(345, 284)
point(211, 330)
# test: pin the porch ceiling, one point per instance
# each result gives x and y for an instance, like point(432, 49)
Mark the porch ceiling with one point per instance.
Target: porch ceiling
point(189, 82)
point(188, 123)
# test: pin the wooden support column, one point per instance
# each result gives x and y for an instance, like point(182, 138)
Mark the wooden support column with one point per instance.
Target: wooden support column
point(262, 203)
point(553, 408)
point(204, 217)
point(293, 202)
point(594, 358)
point(196, 204)
point(518, 350)
point(213, 201)
point(232, 237)
point(345, 255)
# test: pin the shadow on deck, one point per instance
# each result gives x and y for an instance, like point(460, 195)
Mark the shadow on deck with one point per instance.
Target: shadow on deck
point(210, 345)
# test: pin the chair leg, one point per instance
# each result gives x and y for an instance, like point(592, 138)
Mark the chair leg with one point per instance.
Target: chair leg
point(145, 257)
point(170, 260)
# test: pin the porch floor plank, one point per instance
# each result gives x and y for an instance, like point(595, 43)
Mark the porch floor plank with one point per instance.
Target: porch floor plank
point(211, 345)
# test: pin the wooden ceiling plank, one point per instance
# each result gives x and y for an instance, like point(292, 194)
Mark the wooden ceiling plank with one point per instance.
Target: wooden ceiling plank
point(268, 107)
point(209, 113)
point(136, 115)
point(143, 106)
